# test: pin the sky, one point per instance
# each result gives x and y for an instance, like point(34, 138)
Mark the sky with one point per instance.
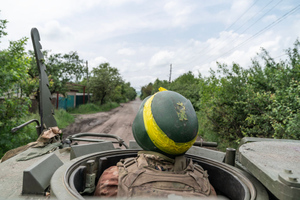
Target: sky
point(143, 38)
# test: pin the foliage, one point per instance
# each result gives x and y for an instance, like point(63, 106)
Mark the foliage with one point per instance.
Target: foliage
point(146, 90)
point(106, 85)
point(108, 106)
point(186, 85)
point(28, 133)
point(21, 137)
point(103, 82)
point(61, 69)
point(154, 88)
point(117, 94)
point(262, 101)
point(93, 108)
point(14, 105)
point(63, 118)
point(129, 92)
point(233, 102)
point(3, 27)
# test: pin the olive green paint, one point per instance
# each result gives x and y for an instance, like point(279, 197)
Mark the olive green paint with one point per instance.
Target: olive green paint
point(170, 107)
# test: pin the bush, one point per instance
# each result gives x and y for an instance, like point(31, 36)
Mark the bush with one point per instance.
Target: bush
point(261, 101)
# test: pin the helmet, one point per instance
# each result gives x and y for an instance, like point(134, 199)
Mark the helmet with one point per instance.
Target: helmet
point(167, 123)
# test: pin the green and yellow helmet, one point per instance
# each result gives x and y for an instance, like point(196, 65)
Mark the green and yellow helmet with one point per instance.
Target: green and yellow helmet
point(166, 123)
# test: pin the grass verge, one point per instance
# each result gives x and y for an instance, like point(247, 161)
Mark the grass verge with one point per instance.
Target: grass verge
point(93, 108)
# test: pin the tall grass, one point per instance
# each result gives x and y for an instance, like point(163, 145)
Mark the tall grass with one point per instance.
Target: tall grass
point(63, 118)
point(93, 108)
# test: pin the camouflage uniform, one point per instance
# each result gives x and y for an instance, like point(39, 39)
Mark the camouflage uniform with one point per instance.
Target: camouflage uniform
point(153, 174)
point(108, 183)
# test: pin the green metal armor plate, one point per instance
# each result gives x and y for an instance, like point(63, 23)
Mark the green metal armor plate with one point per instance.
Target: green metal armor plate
point(276, 164)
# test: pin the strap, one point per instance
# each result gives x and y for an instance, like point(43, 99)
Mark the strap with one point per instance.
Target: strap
point(131, 177)
point(148, 177)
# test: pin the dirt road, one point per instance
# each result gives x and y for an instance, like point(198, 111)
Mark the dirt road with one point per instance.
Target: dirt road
point(117, 121)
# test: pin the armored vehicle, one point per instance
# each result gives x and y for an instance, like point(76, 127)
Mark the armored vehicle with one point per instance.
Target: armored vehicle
point(259, 169)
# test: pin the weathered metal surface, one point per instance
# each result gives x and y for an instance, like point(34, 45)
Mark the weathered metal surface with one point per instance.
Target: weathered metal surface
point(36, 178)
point(269, 161)
point(215, 155)
point(230, 156)
point(134, 145)
point(11, 173)
point(84, 149)
point(38, 127)
point(45, 105)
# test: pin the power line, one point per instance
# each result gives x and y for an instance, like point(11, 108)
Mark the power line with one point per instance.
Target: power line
point(224, 41)
point(264, 29)
point(241, 15)
point(261, 17)
point(280, 56)
point(226, 30)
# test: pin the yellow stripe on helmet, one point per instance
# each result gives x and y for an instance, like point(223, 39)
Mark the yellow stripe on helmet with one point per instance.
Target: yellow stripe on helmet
point(158, 137)
point(160, 89)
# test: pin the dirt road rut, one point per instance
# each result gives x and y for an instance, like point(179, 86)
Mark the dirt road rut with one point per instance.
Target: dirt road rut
point(117, 122)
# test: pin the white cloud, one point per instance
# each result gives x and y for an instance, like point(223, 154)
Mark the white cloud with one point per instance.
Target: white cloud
point(126, 52)
point(53, 30)
point(179, 12)
point(161, 58)
point(96, 62)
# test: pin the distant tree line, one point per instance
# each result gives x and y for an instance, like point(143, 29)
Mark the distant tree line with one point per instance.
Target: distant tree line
point(262, 100)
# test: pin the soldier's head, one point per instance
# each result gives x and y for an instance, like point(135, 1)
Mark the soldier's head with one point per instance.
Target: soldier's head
point(166, 123)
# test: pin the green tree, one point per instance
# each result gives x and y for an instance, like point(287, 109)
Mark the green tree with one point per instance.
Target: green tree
point(160, 83)
point(130, 92)
point(3, 23)
point(117, 94)
point(187, 85)
point(261, 101)
point(146, 91)
point(123, 93)
point(14, 104)
point(13, 72)
point(277, 105)
point(103, 82)
point(61, 69)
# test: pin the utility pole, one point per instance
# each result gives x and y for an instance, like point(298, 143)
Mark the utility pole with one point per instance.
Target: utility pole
point(87, 80)
point(170, 73)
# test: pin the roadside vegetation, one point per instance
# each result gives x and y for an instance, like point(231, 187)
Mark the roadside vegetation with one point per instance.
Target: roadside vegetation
point(93, 108)
point(28, 133)
point(261, 100)
point(20, 83)
point(63, 118)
